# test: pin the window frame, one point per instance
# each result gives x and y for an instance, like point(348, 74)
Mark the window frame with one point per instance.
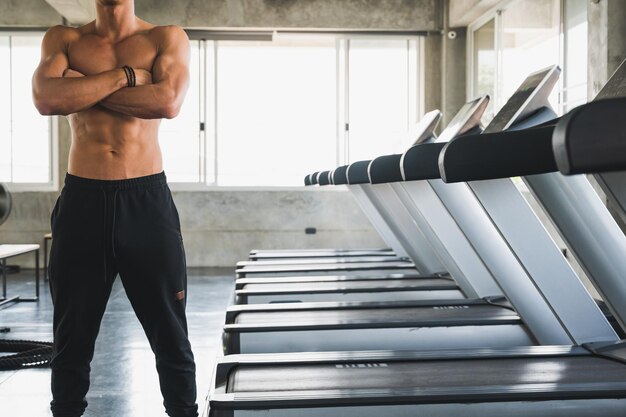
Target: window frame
point(53, 136)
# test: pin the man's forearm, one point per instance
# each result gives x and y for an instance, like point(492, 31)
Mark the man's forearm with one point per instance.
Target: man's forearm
point(153, 101)
point(63, 96)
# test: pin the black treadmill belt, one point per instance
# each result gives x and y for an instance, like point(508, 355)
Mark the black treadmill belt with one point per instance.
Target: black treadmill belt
point(325, 267)
point(352, 285)
point(427, 374)
point(320, 254)
point(324, 250)
point(405, 314)
point(319, 260)
point(332, 278)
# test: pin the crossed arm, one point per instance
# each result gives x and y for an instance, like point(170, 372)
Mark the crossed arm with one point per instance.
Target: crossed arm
point(56, 94)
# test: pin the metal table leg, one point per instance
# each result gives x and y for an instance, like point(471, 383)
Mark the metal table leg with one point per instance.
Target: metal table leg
point(4, 301)
point(45, 258)
point(37, 274)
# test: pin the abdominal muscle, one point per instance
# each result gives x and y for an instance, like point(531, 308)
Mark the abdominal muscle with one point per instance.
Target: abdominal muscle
point(111, 146)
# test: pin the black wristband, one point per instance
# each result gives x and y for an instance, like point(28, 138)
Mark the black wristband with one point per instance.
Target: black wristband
point(130, 76)
point(127, 73)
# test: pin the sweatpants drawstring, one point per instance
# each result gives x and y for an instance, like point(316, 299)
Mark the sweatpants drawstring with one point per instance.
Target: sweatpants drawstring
point(104, 233)
point(113, 223)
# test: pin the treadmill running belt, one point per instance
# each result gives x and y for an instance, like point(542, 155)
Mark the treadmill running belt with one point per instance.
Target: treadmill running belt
point(321, 267)
point(313, 254)
point(374, 315)
point(427, 374)
point(440, 283)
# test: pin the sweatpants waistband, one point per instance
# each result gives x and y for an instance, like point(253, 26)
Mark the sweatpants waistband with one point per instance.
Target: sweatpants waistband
point(148, 181)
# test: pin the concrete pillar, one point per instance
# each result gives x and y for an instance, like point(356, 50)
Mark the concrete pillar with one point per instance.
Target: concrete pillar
point(433, 73)
point(445, 68)
point(607, 41)
point(455, 71)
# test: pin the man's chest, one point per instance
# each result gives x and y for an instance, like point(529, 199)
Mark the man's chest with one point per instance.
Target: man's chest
point(92, 55)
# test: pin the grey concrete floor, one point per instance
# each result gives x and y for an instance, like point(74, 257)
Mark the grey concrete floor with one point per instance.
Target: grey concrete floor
point(124, 381)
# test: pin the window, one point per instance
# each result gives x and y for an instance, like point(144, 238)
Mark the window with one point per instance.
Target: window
point(523, 36)
point(379, 95)
point(276, 110)
point(181, 138)
point(266, 113)
point(575, 54)
point(26, 141)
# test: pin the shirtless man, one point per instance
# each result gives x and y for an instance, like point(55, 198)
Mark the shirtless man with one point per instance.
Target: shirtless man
point(114, 79)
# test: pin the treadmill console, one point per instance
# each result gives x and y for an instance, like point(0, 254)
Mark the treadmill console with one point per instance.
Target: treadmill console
point(529, 97)
point(466, 119)
point(424, 130)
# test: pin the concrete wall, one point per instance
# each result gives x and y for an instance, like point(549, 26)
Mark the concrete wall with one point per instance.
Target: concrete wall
point(464, 12)
point(607, 41)
point(344, 14)
point(28, 13)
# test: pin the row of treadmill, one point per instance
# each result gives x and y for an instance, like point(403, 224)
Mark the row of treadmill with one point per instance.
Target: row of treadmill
point(472, 309)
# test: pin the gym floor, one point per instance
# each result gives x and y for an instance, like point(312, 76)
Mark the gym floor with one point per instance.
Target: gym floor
point(124, 381)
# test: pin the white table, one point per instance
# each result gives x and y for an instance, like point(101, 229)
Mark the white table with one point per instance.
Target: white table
point(9, 251)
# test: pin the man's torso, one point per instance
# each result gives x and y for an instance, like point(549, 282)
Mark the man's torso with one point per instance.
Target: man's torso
point(107, 144)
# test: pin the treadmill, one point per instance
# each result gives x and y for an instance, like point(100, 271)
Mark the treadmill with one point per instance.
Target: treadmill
point(539, 380)
point(380, 325)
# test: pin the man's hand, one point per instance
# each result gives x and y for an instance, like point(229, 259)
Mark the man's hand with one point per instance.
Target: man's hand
point(142, 77)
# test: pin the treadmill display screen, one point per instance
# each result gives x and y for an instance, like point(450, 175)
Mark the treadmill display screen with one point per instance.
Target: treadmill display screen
point(616, 86)
point(471, 111)
point(423, 130)
point(517, 100)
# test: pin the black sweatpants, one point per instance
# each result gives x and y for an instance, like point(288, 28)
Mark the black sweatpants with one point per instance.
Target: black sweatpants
point(102, 228)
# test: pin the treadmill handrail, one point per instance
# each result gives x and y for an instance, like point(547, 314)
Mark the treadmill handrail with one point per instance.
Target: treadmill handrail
point(498, 155)
point(340, 175)
point(357, 172)
point(421, 162)
point(324, 178)
point(592, 138)
point(384, 169)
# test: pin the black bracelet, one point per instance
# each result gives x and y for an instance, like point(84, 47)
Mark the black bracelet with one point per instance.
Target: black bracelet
point(130, 76)
point(127, 75)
